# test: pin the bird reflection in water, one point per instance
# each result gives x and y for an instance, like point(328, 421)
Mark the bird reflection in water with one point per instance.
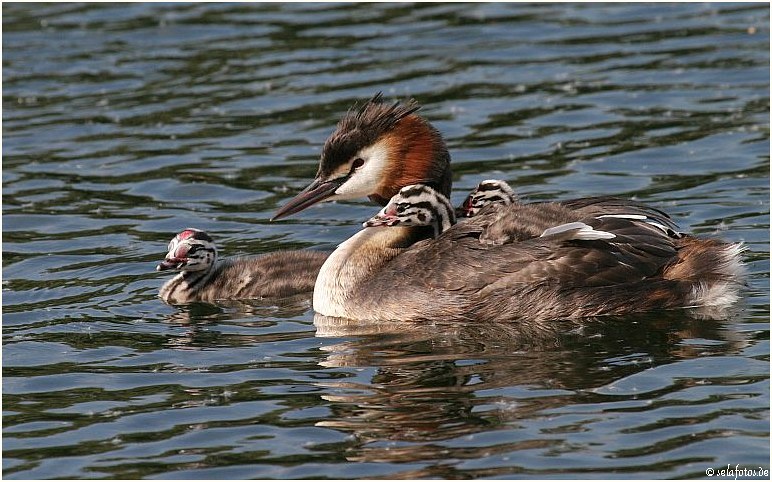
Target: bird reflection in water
point(440, 382)
point(199, 319)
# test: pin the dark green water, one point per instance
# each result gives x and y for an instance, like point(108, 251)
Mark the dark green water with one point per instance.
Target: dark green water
point(123, 124)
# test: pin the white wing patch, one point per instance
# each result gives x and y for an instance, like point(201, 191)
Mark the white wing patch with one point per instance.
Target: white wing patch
point(583, 232)
point(641, 217)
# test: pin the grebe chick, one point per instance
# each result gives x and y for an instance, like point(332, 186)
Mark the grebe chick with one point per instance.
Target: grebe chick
point(416, 205)
point(380, 148)
point(488, 192)
point(494, 192)
point(521, 221)
point(192, 252)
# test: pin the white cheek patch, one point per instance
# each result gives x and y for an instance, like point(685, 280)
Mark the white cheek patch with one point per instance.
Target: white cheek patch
point(365, 180)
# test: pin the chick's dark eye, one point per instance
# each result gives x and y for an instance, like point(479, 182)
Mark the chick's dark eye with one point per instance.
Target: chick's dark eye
point(358, 162)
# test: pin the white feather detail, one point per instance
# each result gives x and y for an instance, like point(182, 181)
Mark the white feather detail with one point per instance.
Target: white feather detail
point(641, 217)
point(623, 216)
point(583, 232)
point(664, 228)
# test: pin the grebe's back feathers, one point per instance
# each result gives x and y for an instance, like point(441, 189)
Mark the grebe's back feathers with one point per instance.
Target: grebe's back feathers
point(506, 219)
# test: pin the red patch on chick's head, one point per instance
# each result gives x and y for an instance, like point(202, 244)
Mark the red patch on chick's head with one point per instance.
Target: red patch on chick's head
point(188, 233)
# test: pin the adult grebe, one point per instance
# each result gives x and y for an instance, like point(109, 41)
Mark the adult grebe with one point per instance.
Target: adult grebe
point(422, 267)
point(380, 148)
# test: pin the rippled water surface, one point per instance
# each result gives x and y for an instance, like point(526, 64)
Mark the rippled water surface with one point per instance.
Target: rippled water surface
point(123, 124)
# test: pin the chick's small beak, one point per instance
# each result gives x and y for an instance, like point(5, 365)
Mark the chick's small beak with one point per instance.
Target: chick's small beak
point(465, 210)
point(383, 218)
point(170, 263)
point(315, 192)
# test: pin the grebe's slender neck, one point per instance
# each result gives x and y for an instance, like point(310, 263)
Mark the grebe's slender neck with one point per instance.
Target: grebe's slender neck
point(186, 284)
point(358, 259)
point(418, 156)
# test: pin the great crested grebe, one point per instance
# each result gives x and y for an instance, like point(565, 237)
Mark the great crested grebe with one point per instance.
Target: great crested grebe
point(380, 148)
point(192, 252)
point(411, 271)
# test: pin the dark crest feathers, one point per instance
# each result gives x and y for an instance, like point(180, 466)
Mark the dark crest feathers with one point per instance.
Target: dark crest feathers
point(362, 127)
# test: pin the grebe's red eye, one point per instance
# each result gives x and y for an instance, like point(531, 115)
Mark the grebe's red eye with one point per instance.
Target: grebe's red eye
point(358, 162)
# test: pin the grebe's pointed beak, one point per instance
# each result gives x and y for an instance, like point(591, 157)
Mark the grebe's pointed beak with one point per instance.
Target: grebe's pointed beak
point(315, 192)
